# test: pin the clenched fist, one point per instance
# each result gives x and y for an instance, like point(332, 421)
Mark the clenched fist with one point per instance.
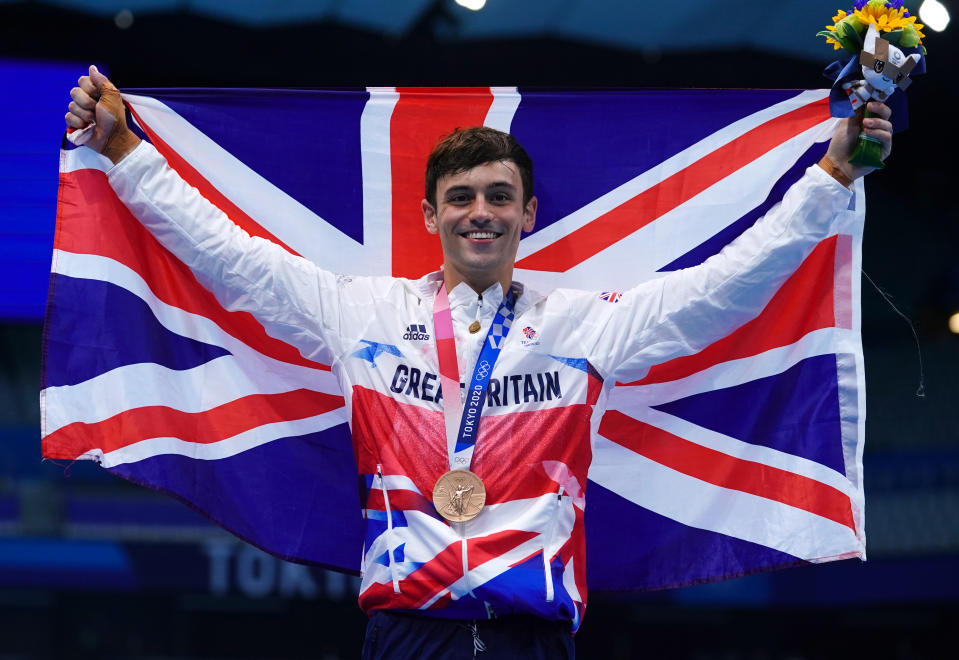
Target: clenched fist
point(97, 103)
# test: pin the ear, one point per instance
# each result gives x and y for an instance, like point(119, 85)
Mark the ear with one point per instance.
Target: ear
point(530, 212)
point(869, 41)
point(429, 217)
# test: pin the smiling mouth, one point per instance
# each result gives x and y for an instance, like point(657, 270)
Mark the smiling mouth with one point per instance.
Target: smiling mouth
point(479, 235)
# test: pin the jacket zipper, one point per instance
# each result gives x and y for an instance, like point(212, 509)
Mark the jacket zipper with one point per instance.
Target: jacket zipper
point(547, 543)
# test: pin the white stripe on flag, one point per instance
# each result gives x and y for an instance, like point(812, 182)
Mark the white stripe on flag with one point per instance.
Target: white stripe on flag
point(690, 224)
point(665, 169)
point(255, 437)
point(377, 184)
point(214, 383)
point(179, 321)
point(825, 341)
point(193, 390)
point(83, 158)
point(744, 450)
point(749, 517)
point(501, 111)
point(273, 209)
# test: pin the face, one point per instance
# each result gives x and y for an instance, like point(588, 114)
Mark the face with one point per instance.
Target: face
point(479, 217)
point(876, 77)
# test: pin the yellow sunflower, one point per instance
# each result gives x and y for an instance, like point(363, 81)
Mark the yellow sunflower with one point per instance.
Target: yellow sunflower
point(829, 40)
point(886, 19)
point(848, 27)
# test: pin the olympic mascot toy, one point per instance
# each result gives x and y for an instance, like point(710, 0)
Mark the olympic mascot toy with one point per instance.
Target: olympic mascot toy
point(888, 43)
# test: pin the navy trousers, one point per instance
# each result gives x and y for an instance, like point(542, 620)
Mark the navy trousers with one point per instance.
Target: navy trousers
point(391, 636)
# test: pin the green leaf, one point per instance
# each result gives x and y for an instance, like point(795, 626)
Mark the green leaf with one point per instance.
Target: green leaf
point(847, 37)
point(850, 19)
point(894, 37)
point(855, 29)
point(910, 38)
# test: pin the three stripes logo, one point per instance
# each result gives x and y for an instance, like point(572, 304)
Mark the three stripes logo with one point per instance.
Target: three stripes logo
point(416, 332)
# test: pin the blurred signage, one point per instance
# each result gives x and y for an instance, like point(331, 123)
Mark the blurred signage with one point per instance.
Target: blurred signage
point(214, 567)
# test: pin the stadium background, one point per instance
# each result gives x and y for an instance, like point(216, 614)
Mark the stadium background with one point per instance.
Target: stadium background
point(93, 567)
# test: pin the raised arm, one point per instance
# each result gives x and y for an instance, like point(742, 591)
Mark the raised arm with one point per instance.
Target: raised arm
point(684, 311)
point(295, 300)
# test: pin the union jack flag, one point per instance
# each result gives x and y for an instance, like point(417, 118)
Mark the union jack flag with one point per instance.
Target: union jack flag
point(742, 457)
point(610, 296)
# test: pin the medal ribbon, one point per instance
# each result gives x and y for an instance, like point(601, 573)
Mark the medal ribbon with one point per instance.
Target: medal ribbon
point(461, 438)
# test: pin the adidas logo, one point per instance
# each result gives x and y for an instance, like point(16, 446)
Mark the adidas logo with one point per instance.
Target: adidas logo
point(416, 332)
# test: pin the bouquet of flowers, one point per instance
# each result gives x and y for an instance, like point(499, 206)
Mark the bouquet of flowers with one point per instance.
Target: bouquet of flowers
point(882, 44)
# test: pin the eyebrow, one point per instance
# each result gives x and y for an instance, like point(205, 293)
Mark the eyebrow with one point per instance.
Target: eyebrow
point(496, 185)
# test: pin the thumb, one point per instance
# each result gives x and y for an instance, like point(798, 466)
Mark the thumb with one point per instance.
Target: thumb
point(99, 80)
point(106, 93)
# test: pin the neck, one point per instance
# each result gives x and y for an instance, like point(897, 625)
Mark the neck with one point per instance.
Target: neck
point(478, 283)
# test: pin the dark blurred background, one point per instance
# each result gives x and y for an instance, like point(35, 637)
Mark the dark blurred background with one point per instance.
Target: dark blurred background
point(91, 566)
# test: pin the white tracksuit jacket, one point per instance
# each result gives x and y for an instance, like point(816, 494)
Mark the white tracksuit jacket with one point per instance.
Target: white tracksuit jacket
point(525, 553)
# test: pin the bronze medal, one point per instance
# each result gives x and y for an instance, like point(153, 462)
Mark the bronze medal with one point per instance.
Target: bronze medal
point(474, 327)
point(459, 495)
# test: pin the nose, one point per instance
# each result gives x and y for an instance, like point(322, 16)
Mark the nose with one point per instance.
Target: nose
point(480, 210)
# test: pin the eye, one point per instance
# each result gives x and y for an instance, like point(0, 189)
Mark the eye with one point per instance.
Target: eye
point(501, 197)
point(878, 66)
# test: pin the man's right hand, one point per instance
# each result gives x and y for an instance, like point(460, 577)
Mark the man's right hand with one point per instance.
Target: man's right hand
point(97, 101)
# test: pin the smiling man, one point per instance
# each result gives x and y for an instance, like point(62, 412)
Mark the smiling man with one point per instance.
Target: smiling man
point(479, 210)
point(473, 430)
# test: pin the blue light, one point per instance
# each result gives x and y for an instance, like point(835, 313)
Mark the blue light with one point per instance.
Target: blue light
point(33, 126)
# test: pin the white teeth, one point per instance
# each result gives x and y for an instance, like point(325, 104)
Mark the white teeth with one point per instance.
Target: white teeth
point(480, 234)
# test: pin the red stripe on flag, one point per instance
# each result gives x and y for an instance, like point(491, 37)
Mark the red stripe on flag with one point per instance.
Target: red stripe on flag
point(726, 471)
point(420, 118)
point(208, 426)
point(192, 176)
point(615, 225)
point(803, 304)
point(91, 220)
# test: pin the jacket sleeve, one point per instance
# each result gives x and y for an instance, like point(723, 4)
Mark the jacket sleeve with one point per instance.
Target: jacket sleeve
point(295, 300)
point(684, 311)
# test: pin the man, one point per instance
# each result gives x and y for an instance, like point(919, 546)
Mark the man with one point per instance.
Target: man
point(472, 435)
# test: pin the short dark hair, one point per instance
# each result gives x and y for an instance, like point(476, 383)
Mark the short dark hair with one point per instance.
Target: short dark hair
point(465, 148)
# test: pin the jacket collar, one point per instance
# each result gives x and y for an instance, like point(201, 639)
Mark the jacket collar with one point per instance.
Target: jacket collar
point(427, 286)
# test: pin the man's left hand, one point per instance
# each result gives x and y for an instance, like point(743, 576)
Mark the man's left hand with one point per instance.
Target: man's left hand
point(844, 139)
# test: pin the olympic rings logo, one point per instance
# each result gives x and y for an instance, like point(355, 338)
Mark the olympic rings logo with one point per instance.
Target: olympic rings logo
point(483, 369)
